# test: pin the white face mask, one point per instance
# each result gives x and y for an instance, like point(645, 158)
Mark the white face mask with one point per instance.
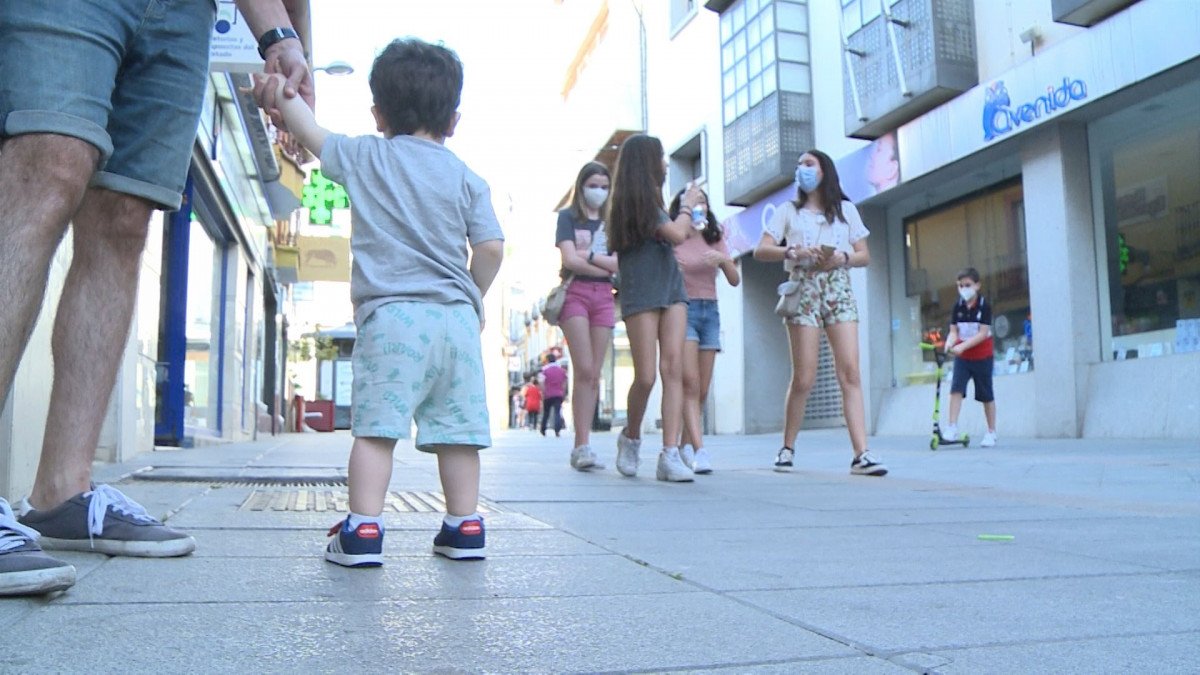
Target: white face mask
point(966, 293)
point(595, 196)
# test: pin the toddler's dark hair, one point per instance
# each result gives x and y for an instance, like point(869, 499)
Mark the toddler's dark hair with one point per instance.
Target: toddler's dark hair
point(417, 86)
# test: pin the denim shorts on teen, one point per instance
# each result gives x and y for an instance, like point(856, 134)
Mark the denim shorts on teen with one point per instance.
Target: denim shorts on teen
point(704, 324)
point(420, 361)
point(126, 76)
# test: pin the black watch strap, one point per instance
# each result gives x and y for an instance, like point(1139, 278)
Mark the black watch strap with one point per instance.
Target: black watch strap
point(271, 37)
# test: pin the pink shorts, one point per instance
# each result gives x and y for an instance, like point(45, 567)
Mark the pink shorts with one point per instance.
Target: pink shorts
point(591, 299)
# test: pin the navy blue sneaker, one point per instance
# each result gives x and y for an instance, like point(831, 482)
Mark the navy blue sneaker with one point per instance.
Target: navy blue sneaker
point(462, 543)
point(361, 547)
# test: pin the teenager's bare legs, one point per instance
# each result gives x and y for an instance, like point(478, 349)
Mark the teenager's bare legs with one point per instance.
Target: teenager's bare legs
point(588, 345)
point(642, 329)
point(458, 467)
point(90, 331)
point(703, 369)
point(672, 329)
point(805, 343)
point(843, 341)
point(42, 180)
point(989, 413)
point(370, 472)
point(956, 400)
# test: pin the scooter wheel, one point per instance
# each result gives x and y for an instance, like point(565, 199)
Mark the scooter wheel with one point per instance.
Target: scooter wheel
point(933, 443)
point(966, 440)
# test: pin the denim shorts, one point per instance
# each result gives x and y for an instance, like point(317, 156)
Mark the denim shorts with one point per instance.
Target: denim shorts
point(704, 324)
point(126, 76)
point(422, 361)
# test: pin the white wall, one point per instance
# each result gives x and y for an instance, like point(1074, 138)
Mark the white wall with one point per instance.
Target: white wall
point(998, 28)
point(1144, 398)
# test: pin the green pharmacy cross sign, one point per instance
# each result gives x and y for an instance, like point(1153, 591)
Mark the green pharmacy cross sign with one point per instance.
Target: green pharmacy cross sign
point(321, 196)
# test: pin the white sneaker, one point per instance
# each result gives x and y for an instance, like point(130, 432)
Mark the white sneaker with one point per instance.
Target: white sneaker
point(701, 464)
point(989, 440)
point(583, 458)
point(671, 467)
point(627, 454)
point(688, 456)
point(950, 432)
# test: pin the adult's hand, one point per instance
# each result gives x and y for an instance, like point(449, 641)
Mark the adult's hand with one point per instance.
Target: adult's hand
point(285, 58)
point(713, 258)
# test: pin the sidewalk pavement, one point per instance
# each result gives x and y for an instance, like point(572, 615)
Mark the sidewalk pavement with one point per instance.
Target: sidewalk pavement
point(744, 571)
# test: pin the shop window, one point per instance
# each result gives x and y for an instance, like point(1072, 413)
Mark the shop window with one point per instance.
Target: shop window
point(201, 393)
point(985, 231)
point(1147, 177)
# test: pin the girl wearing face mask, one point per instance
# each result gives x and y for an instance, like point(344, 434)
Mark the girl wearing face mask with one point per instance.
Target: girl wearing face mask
point(700, 258)
point(819, 236)
point(587, 314)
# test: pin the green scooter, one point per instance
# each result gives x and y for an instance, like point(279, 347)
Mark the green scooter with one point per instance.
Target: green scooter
point(937, 440)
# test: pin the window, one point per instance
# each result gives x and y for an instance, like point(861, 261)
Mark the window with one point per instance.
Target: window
point(201, 393)
point(985, 231)
point(687, 163)
point(747, 55)
point(1147, 182)
point(682, 12)
point(858, 13)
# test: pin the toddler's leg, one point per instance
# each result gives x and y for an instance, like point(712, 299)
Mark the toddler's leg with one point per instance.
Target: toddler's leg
point(458, 467)
point(370, 473)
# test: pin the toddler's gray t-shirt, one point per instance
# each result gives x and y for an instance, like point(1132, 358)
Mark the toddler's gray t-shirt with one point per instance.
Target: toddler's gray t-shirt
point(415, 206)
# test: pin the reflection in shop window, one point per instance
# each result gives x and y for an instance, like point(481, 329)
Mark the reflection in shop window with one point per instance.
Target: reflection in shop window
point(1148, 175)
point(985, 231)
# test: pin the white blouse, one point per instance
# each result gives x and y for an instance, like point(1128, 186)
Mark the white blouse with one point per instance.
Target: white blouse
point(808, 228)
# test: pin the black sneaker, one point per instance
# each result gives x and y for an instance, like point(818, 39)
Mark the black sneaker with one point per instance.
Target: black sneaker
point(24, 568)
point(104, 520)
point(867, 464)
point(783, 459)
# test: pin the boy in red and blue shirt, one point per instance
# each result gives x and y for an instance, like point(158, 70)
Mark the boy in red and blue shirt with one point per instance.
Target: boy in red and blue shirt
point(970, 341)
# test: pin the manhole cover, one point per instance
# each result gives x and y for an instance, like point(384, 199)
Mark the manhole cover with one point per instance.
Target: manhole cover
point(339, 501)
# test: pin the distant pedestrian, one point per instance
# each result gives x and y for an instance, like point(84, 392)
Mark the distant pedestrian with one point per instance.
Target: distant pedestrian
point(533, 402)
point(700, 258)
point(819, 236)
point(554, 380)
point(653, 297)
point(970, 341)
point(418, 303)
point(587, 317)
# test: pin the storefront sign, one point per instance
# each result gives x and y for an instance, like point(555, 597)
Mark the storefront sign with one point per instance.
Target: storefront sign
point(233, 48)
point(324, 259)
point(1000, 118)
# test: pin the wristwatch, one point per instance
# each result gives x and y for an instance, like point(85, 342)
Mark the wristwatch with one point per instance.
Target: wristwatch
point(271, 37)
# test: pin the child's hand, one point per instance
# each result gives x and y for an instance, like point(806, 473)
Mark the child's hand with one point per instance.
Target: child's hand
point(713, 258)
point(957, 349)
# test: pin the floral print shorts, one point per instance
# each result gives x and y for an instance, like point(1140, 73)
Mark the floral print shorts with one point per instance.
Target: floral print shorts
point(826, 298)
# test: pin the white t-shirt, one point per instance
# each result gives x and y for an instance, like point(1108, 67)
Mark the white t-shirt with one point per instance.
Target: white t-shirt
point(807, 228)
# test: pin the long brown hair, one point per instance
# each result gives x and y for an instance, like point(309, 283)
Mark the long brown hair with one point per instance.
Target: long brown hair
point(590, 169)
point(830, 188)
point(635, 200)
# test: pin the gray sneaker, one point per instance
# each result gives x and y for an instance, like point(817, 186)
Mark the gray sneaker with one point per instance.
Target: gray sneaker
point(627, 454)
point(583, 458)
point(24, 569)
point(105, 521)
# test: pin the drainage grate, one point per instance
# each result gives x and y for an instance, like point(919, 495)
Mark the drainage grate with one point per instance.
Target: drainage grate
point(256, 477)
point(338, 501)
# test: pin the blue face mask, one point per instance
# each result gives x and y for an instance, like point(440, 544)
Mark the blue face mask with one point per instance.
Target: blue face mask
point(806, 178)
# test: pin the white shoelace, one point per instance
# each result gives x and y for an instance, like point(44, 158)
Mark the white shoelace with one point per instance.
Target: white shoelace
point(104, 497)
point(12, 533)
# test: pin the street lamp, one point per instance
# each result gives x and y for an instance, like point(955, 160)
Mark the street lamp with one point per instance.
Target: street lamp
point(336, 68)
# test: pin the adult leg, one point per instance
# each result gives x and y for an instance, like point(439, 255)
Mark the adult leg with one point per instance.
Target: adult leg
point(42, 180)
point(370, 471)
point(805, 342)
point(642, 329)
point(672, 328)
point(843, 341)
point(90, 331)
point(691, 394)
